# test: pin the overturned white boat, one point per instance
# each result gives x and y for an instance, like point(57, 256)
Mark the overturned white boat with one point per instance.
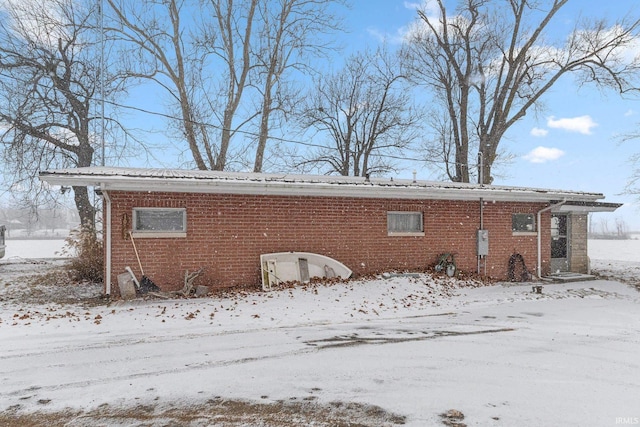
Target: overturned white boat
point(299, 267)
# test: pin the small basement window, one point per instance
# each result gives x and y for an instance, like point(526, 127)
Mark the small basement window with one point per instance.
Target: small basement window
point(405, 224)
point(523, 223)
point(160, 222)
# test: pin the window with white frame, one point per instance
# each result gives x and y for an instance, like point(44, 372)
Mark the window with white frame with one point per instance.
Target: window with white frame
point(160, 220)
point(404, 223)
point(523, 223)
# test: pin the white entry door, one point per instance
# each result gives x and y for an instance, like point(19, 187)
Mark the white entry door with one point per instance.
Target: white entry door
point(560, 244)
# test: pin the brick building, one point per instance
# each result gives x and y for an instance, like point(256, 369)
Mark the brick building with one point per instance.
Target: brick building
point(184, 220)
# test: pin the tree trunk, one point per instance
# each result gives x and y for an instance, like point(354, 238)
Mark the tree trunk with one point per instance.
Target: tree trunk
point(225, 140)
point(85, 209)
point(264, 128)
point(485, 164)
point(462, 160)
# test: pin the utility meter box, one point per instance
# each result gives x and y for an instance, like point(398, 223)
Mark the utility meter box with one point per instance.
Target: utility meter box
point(483, 242)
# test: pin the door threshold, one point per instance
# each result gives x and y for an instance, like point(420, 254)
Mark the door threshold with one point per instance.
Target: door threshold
point(567, 276)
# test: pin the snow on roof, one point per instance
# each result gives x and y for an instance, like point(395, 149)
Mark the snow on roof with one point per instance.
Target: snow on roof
point(198, 181)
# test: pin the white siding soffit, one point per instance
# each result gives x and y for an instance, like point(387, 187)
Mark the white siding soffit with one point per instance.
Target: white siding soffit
point(196, 181)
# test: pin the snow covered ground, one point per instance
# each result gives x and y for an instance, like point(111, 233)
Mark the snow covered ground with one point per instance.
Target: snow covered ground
point(403, 350)
point(34, 248)
point(618, 259)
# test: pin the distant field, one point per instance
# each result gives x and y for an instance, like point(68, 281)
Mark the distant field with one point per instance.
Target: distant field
point(48, 248)
point(615, 250)
point(57, 233)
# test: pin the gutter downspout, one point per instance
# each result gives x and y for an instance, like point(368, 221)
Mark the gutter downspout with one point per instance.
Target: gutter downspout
point(539, 219)
point(478, 237)
point(481, 179)
point(107, 243)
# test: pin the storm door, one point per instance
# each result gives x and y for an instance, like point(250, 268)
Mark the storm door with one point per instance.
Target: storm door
point(560, 244)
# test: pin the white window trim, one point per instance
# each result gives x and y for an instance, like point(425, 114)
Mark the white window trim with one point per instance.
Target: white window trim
point(406, 233)
point(158, 234)
point(152, 234)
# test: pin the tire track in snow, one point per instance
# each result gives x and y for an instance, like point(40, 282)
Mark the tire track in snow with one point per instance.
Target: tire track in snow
point(310, 346)
point(355, 339)
point(126, 340)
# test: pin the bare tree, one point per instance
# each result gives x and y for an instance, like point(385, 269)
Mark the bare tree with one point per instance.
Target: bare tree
point(633, 183)
point(632, 186)
point(48, 92)
point(201, 58)
point(440, 145)
point(604, 227)
point(491, 62)
point(622, 230)
point(155, 45)
point(224, 64)
point(289, 33)
point(364, 114)
point(229, 38)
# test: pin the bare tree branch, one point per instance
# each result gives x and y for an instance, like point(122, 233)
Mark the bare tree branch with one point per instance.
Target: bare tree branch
point(48, 84)
point(488, 65)
point(365, 114)
point(289, 32)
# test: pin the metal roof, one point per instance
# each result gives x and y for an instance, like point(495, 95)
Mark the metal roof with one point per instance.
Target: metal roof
point(197, 181)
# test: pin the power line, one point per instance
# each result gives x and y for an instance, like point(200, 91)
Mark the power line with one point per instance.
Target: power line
point(281, 139)
point(240, 131)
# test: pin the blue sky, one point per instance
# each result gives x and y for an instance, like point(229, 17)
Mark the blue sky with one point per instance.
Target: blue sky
point(574, 144)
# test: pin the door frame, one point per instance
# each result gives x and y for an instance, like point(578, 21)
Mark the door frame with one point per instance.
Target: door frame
point(560, 242)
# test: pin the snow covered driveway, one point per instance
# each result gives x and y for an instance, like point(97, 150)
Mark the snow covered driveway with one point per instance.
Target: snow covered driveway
point(379, 352)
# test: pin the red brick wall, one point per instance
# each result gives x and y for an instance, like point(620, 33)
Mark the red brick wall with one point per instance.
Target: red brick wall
point(227, 233)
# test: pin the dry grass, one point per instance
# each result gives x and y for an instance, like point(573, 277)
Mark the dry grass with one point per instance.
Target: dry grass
point(217, 411)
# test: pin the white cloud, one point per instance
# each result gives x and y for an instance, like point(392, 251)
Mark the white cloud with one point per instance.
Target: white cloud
point(430, 7)
point(414, 28)
point(581, 124)
point(412, 5)
point(377, 34)
point(393, 39)
point(417, 29)
point(543, 154)
point(39, 21)
point(629, 113)
point(539, 132)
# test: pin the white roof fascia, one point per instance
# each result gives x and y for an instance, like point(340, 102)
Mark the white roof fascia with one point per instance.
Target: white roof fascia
point(115, 179)
point(604, 207)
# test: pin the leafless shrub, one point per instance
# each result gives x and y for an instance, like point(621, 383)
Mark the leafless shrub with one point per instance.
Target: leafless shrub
point(87, 254)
